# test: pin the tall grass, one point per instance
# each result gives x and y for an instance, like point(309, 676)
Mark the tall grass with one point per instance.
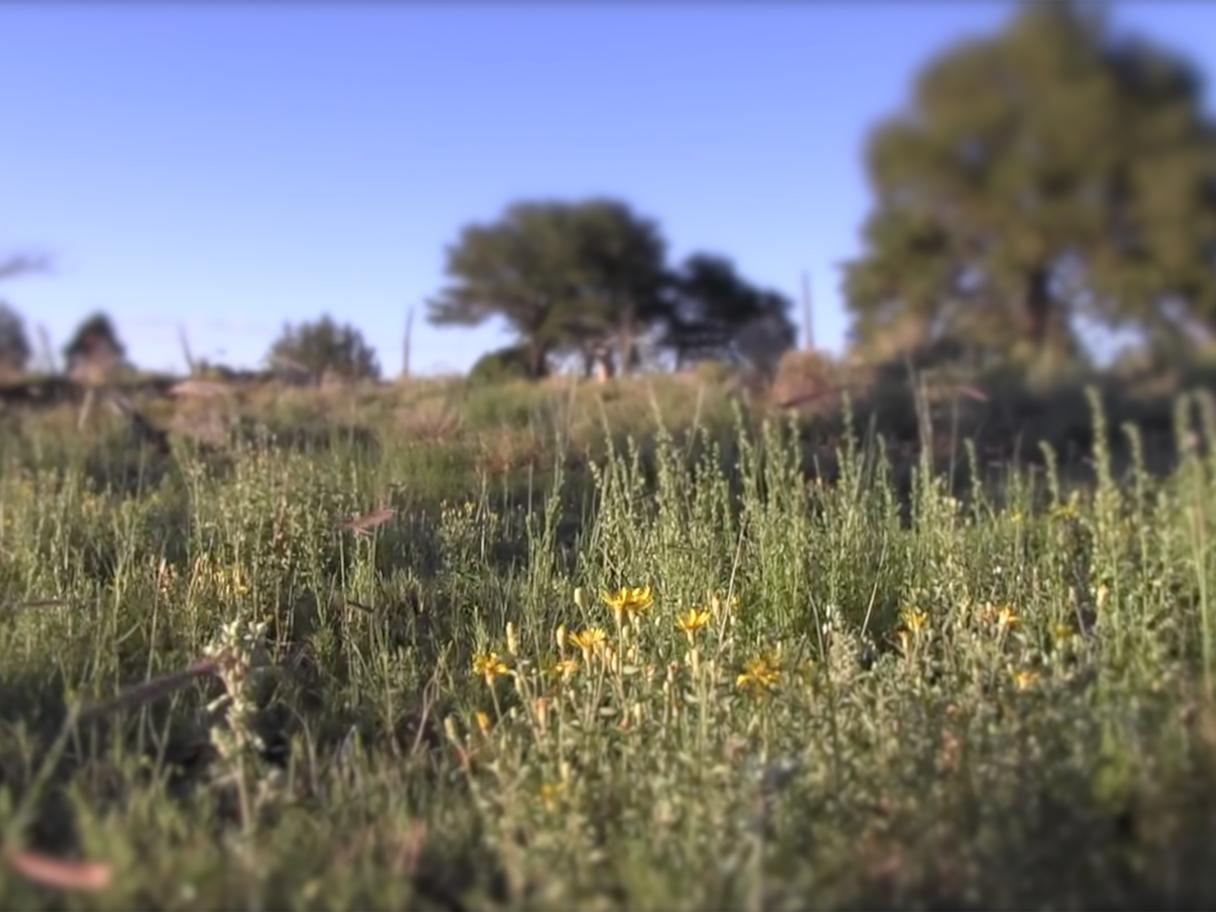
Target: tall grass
point(687, 670)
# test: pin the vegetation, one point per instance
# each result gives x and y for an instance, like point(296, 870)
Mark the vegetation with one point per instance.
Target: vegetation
point(1049, 174)
point(14, 345)
point(590, 279)
point(896, 630)
point(683, 672)
point(94, 351)
point(323, 347)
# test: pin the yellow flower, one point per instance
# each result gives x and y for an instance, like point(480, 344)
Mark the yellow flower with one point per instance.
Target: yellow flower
point(1025, 679)
point(914, 619)
point(1006, 617)
point(589, 640)
point(550, 792)
point(692, 620)
point(489, 666)
point(483, 722)
point(1067, 509)
point(563, 668)
point(1063, 633)
point(760, 673)
point(628, 600)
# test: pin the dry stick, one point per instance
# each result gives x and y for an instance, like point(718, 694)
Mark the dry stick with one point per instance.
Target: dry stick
point(368, 521)
point(60, 873)
point(139, 694)
point(429, 698)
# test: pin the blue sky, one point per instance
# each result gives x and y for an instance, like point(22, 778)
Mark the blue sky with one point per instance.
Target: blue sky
point(230, 167)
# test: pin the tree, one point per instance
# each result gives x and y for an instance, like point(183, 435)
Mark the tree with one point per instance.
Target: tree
point(94, 351)
point(14, 345)
point(1049, 174)
point(622, 280)
point(564, 276)
point(715, 313)
point(323, 346)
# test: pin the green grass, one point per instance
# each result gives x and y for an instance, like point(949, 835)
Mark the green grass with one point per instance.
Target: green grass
point(987, 690)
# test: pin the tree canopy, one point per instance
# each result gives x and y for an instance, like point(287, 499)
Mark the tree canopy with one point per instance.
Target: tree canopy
point(14, 346)
point(1050, 173)
point(565, 277)
point(94, 350)
point(590, 278)
point(715, 313)
point(323, 346)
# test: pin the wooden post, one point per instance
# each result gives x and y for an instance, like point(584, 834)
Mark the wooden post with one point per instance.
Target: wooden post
point(808, 313)
point(186, 353)
point(405, 360)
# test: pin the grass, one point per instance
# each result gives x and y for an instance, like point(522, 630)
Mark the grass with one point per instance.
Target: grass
point(655, 659)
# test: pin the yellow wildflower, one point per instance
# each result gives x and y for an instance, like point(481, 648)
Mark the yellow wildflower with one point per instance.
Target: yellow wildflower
point(1062, 633)
point(914, 619)
point(483, 722)
point(550, 792)
point(628, 600)
point(1100, 596)
point(489, 666)
point(1068, 509)
point(692, 620)
point(760, 673)
point(1006, 617)
point(1025, 679)
point(563, 668)
point(589, 640)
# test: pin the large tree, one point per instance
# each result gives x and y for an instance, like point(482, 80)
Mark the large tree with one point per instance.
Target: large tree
point(716, 313)
point(621, 281)
point(583, 277)
point(1051, 172)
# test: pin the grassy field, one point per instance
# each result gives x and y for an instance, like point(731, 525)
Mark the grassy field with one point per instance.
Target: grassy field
point(601, 650)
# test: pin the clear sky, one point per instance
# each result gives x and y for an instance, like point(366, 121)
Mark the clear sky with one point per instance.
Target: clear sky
point(229, 167)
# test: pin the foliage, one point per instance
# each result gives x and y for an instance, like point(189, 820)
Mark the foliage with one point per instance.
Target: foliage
point(94, 348)
point(1046, 175)
point(323, 347)
point(14, 345)
point(589, 279)
point(510, 363)
point(717, 678)
point(563, 276)
point(715, 313)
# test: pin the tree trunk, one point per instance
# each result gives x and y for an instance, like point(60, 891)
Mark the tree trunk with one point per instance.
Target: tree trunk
point(537, 354)
point(627, 347)
point(1046, 326)
point(1038, 307)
